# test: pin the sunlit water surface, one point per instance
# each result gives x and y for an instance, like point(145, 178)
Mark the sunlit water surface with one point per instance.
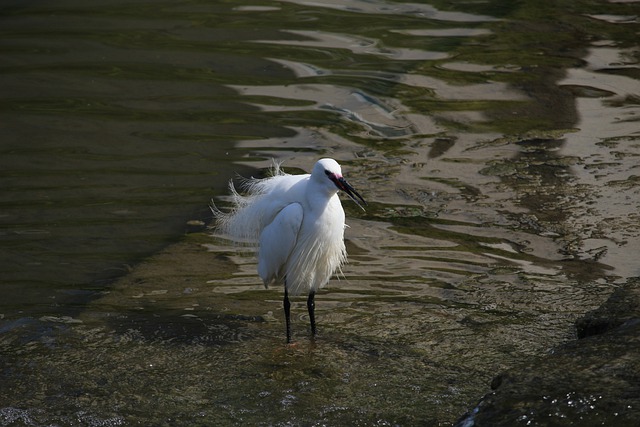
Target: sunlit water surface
point(496, 147)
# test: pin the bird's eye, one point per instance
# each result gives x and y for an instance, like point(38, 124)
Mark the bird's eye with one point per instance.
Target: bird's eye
point(326, 172)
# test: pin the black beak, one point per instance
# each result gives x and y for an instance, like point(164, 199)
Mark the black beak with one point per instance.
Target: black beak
point(342, 184)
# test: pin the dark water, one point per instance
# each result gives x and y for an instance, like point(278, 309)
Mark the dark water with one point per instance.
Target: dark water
point(496, 142)
point(116, 131)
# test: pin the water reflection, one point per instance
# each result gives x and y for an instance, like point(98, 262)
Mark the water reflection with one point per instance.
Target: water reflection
point(379, 117)
point(407, 9)
point(357, 45)
point(605, 152)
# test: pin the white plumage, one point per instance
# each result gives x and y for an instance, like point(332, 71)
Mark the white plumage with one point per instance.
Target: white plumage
point(297, 221)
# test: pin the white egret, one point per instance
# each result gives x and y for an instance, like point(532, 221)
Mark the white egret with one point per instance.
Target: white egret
point(297, 221)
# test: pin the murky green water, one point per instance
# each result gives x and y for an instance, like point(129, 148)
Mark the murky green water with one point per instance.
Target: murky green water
point(496, 142)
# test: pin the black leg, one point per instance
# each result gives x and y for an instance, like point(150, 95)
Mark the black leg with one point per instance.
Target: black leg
point(311, 306)
point(287, 312)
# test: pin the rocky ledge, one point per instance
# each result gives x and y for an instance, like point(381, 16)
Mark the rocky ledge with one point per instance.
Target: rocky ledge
point(594, 380)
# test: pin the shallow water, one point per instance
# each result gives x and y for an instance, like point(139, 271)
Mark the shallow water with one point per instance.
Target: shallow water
point(496, 144)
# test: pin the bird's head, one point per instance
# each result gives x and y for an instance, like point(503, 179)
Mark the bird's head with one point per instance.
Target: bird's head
point(330, 169)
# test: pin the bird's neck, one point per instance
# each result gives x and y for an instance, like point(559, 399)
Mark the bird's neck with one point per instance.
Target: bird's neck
point(320, 195)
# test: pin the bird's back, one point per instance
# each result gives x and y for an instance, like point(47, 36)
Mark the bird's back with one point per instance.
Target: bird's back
point(258, 206)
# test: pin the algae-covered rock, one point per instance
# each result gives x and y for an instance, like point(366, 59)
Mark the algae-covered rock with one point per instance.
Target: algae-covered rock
point(594, 380)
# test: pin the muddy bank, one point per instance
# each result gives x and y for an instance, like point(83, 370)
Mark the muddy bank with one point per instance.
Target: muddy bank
point(594, 380)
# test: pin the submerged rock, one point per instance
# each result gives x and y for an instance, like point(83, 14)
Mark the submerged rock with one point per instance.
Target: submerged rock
point(594, 380)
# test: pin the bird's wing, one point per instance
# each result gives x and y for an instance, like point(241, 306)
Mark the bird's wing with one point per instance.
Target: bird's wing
point(277, 242)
